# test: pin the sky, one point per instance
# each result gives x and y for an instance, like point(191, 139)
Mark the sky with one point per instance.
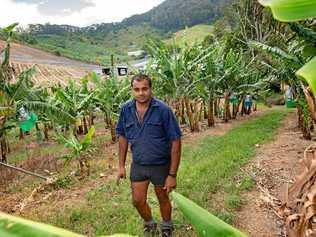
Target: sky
point(70, 12)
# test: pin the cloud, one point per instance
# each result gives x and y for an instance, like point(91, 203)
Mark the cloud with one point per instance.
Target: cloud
point(77, 13)
point(58, 7)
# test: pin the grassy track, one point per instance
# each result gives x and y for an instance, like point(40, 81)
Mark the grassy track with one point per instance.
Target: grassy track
point(207, 171)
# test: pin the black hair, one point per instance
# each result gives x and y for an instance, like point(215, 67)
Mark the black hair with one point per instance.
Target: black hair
point(140, 77)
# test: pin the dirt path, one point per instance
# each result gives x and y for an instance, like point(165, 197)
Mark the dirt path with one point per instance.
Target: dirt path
point(275, 164)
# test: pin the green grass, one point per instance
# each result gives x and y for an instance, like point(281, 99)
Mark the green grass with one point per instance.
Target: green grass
point(191, 35)
point(206, 170)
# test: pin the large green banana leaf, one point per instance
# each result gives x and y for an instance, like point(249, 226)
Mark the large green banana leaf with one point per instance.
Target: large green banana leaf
point(204, 223)
point(291, 10)
point(11, 226)
point(308, 73)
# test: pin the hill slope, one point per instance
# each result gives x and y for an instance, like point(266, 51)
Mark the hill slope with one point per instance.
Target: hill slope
point(97, 42)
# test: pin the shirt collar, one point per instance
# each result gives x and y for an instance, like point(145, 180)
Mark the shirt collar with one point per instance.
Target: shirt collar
point(153, 103)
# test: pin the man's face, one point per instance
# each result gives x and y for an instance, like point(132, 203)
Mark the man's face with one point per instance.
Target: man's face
point(141, 91)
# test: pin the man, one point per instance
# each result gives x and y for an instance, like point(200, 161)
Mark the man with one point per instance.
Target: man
point(153, 132)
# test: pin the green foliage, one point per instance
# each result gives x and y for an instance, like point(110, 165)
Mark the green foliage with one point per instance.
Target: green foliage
point(18, 227)
point(247, 184)
point(294, 10)
point(78, 147)
point(63, 182)
point(191, 35)
point(110, 94)
point(233, 201)
point(11, 226)
point(308, 73)
point(204, 222)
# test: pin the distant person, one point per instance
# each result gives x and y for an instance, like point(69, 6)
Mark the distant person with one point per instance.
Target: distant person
point(151, 128)
point(248, 103)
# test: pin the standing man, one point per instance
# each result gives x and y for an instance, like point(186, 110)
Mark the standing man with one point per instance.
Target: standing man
point(153, 132)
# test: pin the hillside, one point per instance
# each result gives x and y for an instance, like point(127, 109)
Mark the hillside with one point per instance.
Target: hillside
point(97, 42)
point(172, 15)
point(191, 34)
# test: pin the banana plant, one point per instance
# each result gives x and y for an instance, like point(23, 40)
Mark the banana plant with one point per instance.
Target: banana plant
point(283, 64)
point(79, 150)
point(296, 10)
point(21, 93)
point(12, 226)
point(110, 95)
point(76, 101)
point(175, 75)
point(203, 222)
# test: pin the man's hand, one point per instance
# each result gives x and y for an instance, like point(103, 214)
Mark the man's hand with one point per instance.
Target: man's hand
point(170, 184)
point(121, 175)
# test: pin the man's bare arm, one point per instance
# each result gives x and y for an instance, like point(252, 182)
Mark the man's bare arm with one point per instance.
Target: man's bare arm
point(123, 146)
point(171, 181)
point(175, 156)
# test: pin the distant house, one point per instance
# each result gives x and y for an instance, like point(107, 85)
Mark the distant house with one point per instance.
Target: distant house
point(121, 70)
point(136, 53)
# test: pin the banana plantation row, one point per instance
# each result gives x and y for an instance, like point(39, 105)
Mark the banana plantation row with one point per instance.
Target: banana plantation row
point(199, 82)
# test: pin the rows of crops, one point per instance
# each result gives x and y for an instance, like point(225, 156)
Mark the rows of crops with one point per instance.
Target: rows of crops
point(47, 75)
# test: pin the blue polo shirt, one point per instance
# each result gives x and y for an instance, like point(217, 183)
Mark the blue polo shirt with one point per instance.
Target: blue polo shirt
point(150, 141)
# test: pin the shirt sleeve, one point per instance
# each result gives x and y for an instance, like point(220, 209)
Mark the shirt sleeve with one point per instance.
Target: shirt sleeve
point(120, 124)
point(171, 125)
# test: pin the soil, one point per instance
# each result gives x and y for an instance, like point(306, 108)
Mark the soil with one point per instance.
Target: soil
point(275, 165)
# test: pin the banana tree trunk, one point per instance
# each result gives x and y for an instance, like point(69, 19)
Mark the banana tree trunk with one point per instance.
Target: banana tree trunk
point(215, 107)
point(108, 120)
point(46, 132)
point(21, 134)
point(3, 144)
point(205, 110)
point(91, 118)
point(178, 110)
point(84, 167)
point(210, 113)
point(113, 132)
point(254, 105)
point(182, 114)
point(85, 127)
point(303, 123)
point(243, 108)
point(189, 113)
point(201, 111)
point(235, 110)
point(227, 115)
point(4, 149)
point(196, 116)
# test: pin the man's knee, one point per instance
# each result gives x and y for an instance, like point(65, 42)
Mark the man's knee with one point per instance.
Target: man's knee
point(138, 201)
point(163, 197)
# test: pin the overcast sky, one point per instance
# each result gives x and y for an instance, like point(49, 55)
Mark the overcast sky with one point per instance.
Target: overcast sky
point(71, 12)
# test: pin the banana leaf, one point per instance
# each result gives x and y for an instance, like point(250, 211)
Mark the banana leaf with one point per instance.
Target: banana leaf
point(308, 73)
point(204, 223)
point(11, 226)
point(291, 10)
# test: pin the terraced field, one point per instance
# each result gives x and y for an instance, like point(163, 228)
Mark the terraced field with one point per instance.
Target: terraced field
point(51, 69)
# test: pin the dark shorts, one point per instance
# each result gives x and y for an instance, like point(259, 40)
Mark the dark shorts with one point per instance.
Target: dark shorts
point(156, 174)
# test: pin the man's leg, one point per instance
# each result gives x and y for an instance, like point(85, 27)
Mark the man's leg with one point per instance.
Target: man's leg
point(164, 203)
point(165, 210)
point(139, 195)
